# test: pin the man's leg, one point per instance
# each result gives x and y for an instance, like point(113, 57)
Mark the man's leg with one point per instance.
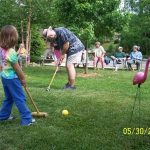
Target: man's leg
point(70, 61)
point(129, 63)
point(114, 60)
point(138, 63)
point(71, 74)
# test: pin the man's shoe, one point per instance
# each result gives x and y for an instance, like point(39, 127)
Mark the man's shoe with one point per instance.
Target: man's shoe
point(66, 85)
point(70, 88)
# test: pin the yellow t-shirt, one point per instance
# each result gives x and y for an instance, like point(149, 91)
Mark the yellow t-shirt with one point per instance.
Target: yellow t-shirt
point(22, 52)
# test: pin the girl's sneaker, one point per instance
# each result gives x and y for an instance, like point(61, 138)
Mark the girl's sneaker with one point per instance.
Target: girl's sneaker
point(31, 123)
point(9, 118)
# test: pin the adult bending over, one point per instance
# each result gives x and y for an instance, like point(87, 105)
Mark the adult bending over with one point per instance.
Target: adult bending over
point(69, 44)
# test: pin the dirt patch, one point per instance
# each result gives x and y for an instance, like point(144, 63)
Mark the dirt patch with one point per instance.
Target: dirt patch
point(83, 75)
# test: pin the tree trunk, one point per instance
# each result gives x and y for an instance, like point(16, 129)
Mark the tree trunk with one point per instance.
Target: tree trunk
point(86, 65)
point(22, 33)
point(28, 37)
point(28, 40)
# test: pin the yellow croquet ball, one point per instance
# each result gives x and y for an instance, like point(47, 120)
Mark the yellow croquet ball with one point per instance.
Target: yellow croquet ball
point(65, 112)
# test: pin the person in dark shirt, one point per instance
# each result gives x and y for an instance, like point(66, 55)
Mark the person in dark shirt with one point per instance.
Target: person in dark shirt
point(118, 58)
point(70, 45)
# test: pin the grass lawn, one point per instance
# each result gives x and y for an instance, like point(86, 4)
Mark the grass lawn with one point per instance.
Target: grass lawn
point(99, 109)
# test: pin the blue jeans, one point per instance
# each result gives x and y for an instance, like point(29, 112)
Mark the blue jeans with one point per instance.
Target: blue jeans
point(136, 62)
point(14, 94)
point(22, 60)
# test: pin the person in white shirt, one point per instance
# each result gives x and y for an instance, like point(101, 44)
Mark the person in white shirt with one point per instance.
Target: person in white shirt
point(99, 53)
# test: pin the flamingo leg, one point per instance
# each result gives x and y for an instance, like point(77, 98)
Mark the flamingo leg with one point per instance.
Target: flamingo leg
point(139, 107)
point(136, 96)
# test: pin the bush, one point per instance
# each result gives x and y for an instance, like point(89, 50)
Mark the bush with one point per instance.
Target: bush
point(111, 48)
point(37, 44)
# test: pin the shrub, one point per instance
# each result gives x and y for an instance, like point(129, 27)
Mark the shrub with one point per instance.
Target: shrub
point(37, 44)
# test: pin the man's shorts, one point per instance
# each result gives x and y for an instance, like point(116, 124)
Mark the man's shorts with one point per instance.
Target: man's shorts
point(75, 58)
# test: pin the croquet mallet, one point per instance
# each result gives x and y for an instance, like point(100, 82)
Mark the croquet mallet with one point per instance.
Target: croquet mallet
point(37, 113)
point(49, 86)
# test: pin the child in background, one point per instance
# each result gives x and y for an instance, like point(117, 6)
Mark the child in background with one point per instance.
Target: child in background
point(57, 54)
point(12, 78)
point(99, 55)
point(22, 55)
point(83, 58)
point(48, 56)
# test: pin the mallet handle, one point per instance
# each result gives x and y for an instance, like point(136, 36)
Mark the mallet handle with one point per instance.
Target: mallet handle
point(53, 77)
point(32, 101)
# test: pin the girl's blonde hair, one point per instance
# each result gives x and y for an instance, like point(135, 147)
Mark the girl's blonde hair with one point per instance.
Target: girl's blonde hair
point(97, 43)
point(8, 37)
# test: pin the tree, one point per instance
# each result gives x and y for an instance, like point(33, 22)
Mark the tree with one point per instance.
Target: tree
point(102, 14)
point(37, 44)
point(24, 14)
point(138, 32)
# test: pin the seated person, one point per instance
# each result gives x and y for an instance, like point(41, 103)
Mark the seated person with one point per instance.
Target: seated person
point(48, 56)
point(84, 57)
point(119, 57)
point(106, 59)
point(99, 53)
point(22, 54)
point(135, 58)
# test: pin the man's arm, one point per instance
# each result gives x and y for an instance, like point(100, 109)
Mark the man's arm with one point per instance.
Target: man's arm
point(103, 51)
point(140, 56)
point(65, 48)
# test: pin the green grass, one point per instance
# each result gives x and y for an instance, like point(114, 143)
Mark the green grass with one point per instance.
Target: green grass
point(99, 110)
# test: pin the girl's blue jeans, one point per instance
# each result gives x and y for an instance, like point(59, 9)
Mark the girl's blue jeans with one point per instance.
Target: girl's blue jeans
point(14, 94)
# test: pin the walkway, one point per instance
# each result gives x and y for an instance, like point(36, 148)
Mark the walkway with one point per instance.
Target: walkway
point(90, 65)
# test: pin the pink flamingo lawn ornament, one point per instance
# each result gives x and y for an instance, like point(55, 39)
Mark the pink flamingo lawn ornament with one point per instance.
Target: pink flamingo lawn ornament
point(138, 79)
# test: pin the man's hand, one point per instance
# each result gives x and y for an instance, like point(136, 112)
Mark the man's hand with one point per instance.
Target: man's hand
point(62, 58)
point(65, 48)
